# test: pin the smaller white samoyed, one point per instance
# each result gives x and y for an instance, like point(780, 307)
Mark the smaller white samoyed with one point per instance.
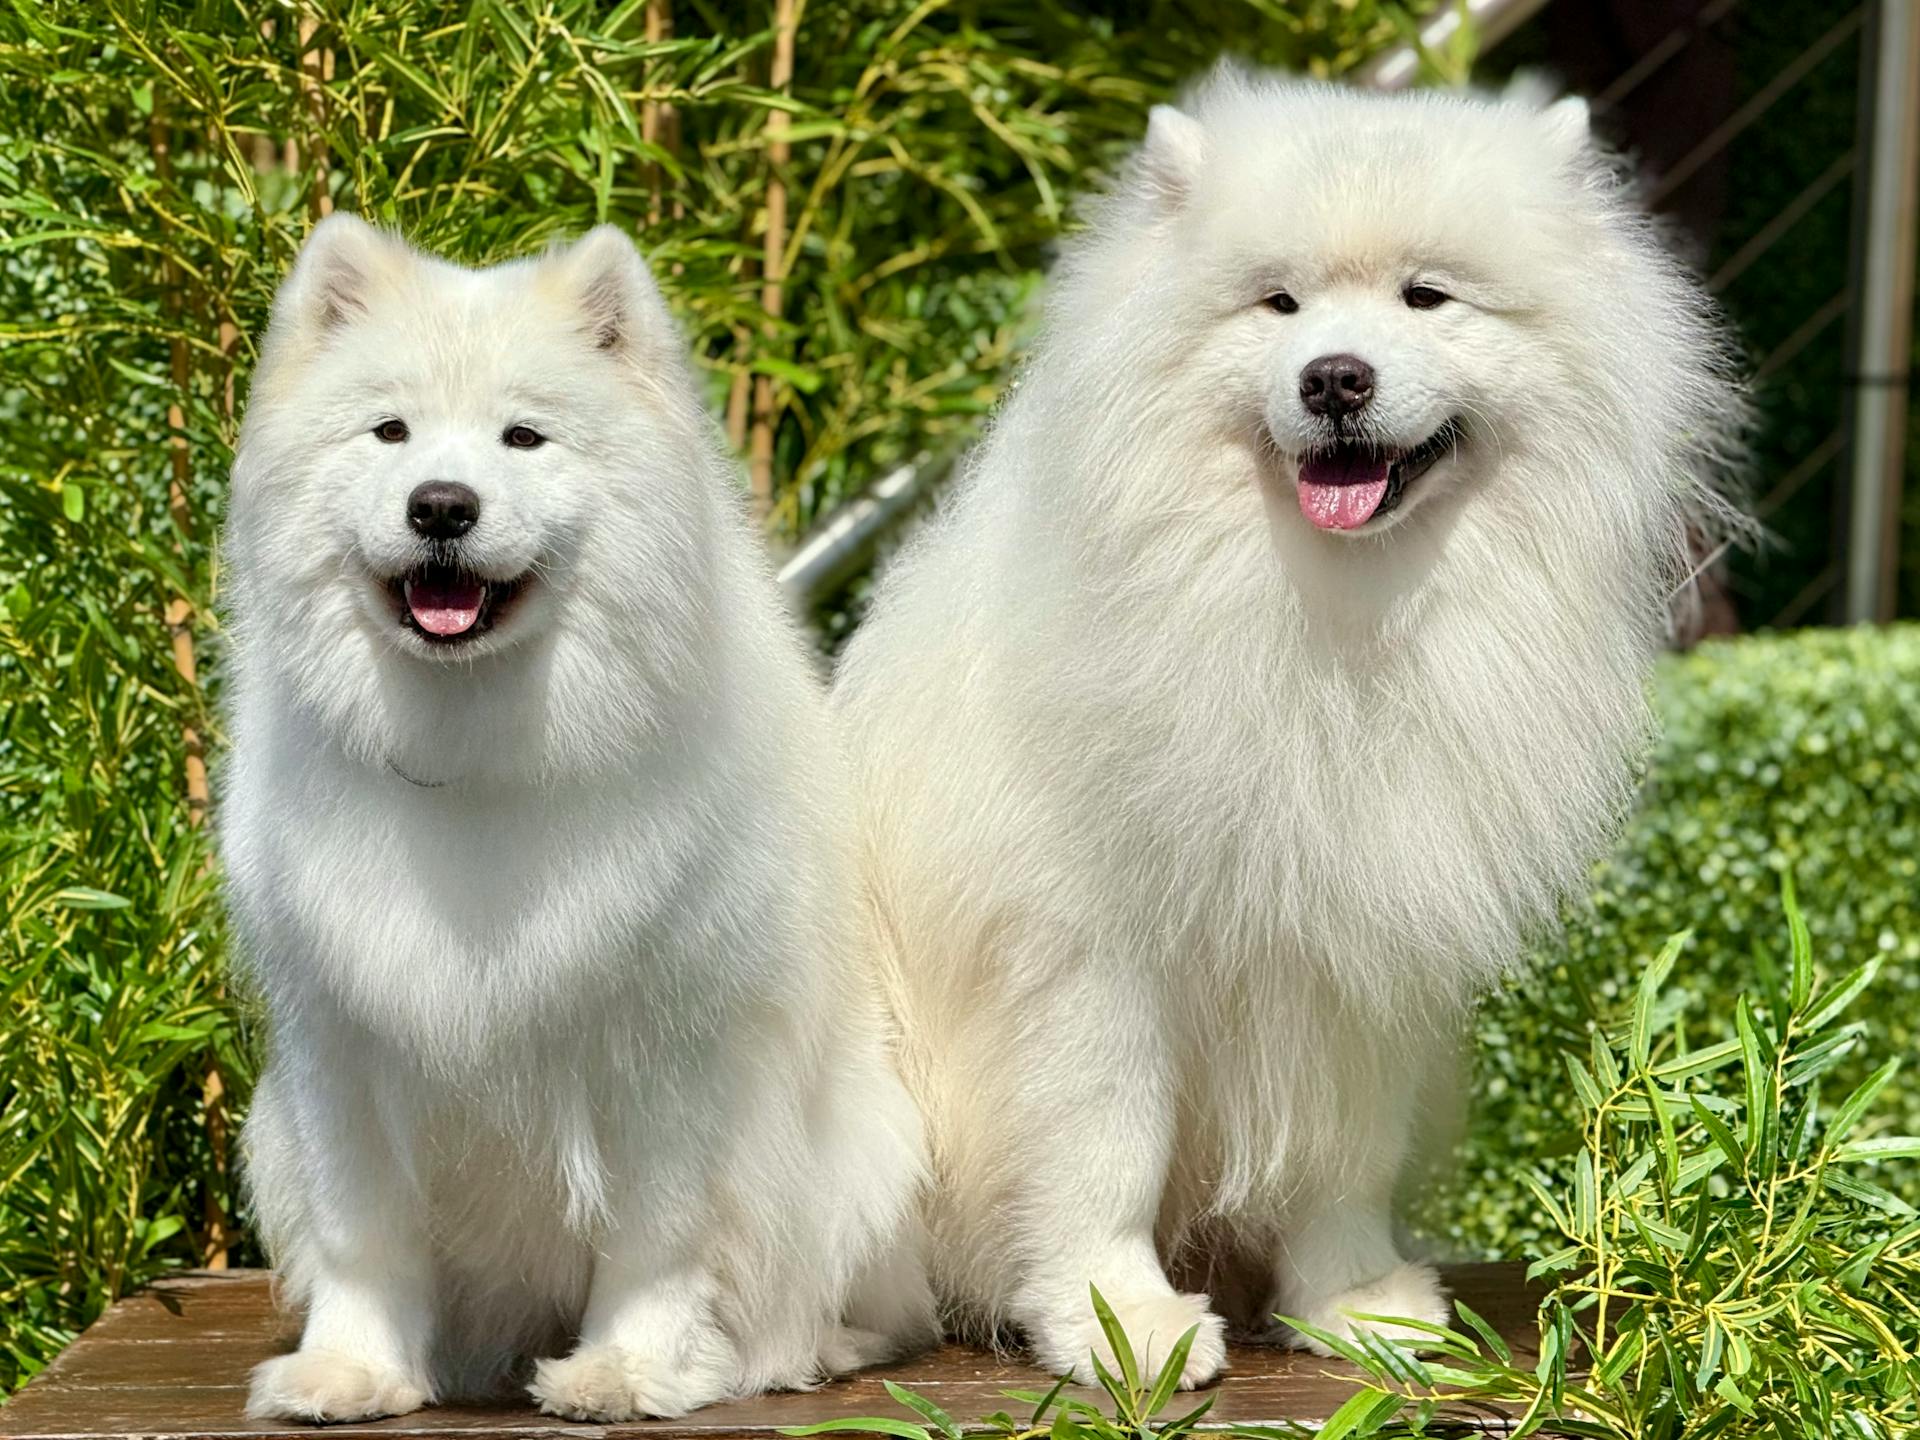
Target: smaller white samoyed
point(537, 843)
point(1277, 669)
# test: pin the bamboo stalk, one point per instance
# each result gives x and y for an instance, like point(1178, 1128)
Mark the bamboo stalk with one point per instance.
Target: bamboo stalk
point(786, 20)
point(179, 615)
point(261, 149)
point(316, 68)
point(215, 1249)
point(214, 1087)
point(179, 611)
point(659, 121)
point(737, 398)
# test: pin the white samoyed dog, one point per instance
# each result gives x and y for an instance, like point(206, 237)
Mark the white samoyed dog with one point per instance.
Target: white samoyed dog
point(1276, 671)
point(540, 851)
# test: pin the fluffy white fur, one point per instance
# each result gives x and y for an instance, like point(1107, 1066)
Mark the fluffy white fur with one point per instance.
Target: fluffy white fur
point(1193, 830)
point(572, 1042)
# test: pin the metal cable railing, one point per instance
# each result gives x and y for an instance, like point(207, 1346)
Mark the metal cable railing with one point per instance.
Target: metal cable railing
point(1775, 230)
point(1763, 100)
point(1657, 58)
point(1790, 484)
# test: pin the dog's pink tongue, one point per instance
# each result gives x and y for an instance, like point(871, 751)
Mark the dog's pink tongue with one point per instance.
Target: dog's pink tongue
point(1342, 490)
point(445, 607)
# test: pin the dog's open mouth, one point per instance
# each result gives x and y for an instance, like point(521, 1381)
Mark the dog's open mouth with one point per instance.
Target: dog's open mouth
point(446, 605)
point(1346, 484)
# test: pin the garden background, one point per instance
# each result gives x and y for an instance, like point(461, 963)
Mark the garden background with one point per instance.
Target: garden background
point(849, 205)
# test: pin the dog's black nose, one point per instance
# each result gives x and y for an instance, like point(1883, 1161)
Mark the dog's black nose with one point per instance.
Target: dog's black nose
point(1336, 385)
point(442, 509)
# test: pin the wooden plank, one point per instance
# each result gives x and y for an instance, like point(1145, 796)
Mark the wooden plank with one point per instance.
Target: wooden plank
point(173, 1362)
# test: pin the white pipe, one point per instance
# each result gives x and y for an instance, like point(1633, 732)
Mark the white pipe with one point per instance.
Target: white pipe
point(1883, 351)
point(830, 554)
point(1493, 20)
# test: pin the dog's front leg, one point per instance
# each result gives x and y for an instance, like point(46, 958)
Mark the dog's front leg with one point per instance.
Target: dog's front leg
point(1338, 1258)
point(1095, 1114)
point(331, 1168)
point(1341, 1263)
point(650, 1341)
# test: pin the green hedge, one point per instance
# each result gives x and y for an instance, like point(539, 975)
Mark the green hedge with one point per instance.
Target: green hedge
point(1782, 754)
point(1724, 1260)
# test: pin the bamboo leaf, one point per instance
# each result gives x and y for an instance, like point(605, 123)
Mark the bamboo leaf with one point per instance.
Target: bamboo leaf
point(1169, 1376)
point(1488, 1335)
point(1802, 946)
point(1831, 1005)
point(1652, 981)
point(1361, 1414)
point(926, 1409)
point(1117, 1341)
point(1885, 1147)
point(1857, 1104)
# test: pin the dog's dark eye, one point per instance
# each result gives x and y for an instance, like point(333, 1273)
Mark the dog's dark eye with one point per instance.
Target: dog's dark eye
point(524, 437)
point(1282, 302)
point(1424, 297)
point(391, 432)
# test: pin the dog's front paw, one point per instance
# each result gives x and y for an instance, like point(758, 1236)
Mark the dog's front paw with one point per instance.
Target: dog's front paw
point(328, 1385)
point(1153, 1323)
point(848, 1348)
point(1409, 1291)
point(611, 1382)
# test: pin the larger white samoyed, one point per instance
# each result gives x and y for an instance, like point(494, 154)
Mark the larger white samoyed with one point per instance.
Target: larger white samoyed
point(538, 845)
point(1276, 671)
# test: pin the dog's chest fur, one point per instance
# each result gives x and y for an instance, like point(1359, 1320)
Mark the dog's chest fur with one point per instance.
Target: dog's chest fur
point(448, 918)
point(1390, 795)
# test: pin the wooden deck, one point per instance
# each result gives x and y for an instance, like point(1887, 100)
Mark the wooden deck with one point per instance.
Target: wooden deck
point(173, 1362)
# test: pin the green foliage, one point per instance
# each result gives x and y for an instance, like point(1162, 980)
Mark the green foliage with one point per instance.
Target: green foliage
point(1722, 1257)
point(1138, 1399)
point(1794, 754)
point(1727, 1261)
point(934, 150)
point(109, 953)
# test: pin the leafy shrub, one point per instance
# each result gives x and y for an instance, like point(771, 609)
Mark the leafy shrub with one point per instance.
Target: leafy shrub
point(119, 1038)
point(1721, 1256)
point(1793, 754)
point(1140, 1399)
point(159, 164)
point(1726, 1260)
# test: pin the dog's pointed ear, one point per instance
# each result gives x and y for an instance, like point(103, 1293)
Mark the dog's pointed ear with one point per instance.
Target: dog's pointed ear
point(1171, 157)
point(608, 286)
point(1569, 125)
point(340, 269)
